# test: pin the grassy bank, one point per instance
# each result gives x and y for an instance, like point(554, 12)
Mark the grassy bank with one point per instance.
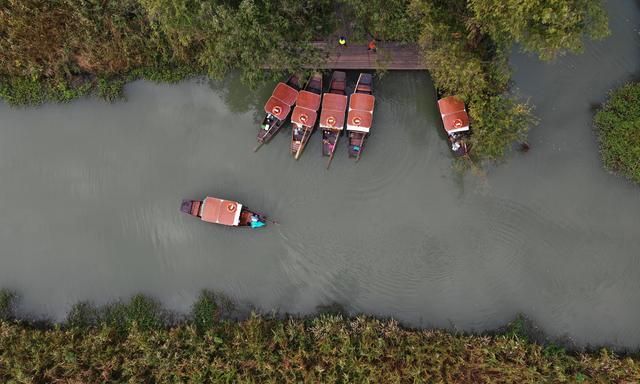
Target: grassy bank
point(618, 127)
point(137, 342)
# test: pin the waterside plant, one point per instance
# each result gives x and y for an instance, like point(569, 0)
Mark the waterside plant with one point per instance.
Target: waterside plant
point(133, 346)
point(618, 128)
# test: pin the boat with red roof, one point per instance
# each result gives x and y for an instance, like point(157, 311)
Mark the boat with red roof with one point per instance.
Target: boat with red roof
point(455, 121)
point(278, 108)
point(305, 114)
point(225, 212)
point(360, 117)
point(332, 117)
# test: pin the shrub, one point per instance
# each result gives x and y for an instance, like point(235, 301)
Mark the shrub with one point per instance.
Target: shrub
point(135, 343)
point(141, 312)
point(618, 127)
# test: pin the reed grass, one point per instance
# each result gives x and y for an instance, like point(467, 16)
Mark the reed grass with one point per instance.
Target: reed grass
point(132, 343)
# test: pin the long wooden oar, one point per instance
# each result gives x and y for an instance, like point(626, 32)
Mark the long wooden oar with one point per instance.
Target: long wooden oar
point(303, 142)
point(258, 146)
point(361, 148)
point(333, 151)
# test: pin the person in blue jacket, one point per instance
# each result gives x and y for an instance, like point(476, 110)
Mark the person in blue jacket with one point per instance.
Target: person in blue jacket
point(256, 223)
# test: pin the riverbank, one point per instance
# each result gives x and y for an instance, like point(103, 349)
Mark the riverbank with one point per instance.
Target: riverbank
point(464, 45)
point(138, 342)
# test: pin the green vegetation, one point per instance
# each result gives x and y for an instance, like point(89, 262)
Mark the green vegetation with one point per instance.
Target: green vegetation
point(44, 56)
point(466, 44)
point(128, 342)
point(7, 301)
point(618, 125)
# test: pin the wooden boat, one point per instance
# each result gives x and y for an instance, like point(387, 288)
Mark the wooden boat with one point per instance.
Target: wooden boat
point(455, 121)
point(225, 212)
point(360, 117)
point(334, 106)
point(305, 114)
point(277, 109)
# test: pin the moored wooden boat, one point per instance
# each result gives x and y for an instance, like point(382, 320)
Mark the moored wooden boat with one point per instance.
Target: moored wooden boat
point(305, 114)
point(334, 106)
point(455, 121)
point(225, 212)
point(278, 108)
point(360, 117)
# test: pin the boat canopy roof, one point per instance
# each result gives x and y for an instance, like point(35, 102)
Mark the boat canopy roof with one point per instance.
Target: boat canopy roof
point(450, 104)
point(360, 112)
point(309, 100)
point(456, 122)
point(221, 211)
point(304, 116)
point(277, 108)
point(362, 102)
point(333, 109)
point(359, 121)
point(286, 93)
point(454, 115)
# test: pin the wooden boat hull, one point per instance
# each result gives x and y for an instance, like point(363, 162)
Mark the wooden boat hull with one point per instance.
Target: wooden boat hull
point(299, 139)
point(357, 140)
point(330, 139)
point(271, 124)
point(304, 117)
point(332, 120)
point(265, 135)
point(361, 107)
point(192, 208)
point(459, 145)
point(451, 110)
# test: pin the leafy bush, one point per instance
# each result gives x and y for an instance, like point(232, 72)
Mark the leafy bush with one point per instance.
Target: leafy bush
point(618, 125)
point(83, 315)
point(209, 309)
point(141, 312)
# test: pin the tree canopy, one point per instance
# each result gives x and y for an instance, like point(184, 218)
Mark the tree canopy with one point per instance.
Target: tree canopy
point(548, 27)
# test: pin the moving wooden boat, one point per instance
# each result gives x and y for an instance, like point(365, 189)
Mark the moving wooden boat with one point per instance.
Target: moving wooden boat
point(360, 117)
point(455, 121)
point(305, 114)
point(334, 106)
point(225, 212)
point(277, 109)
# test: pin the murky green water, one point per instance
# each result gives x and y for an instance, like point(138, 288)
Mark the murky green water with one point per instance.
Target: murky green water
point(89, 198)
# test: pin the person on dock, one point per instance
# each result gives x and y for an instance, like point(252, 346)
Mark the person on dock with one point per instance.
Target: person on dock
point(372, 46)
point(342, 41)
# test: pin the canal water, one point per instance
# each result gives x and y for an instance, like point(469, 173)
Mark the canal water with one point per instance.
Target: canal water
point(90, 193)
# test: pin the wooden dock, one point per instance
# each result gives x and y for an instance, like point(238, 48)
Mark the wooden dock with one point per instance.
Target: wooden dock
point(389, 56)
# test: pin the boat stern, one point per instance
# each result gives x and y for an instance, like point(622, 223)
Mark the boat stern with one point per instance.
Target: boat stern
point(190, 207)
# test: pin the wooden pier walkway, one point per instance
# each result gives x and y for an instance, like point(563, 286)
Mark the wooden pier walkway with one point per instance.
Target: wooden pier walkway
point(389, 56)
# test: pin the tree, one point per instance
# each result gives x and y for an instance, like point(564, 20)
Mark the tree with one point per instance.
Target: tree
point(384, 19)
point(263, 34)
point(547, 28)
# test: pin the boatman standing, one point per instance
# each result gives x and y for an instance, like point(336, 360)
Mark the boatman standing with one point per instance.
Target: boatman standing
point(372, 46)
